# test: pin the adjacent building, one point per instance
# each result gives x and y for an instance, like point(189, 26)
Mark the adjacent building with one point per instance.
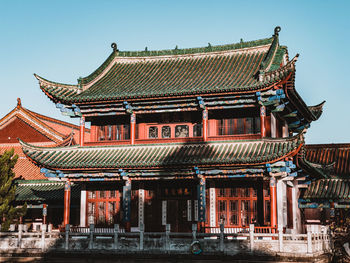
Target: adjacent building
point(44, 198)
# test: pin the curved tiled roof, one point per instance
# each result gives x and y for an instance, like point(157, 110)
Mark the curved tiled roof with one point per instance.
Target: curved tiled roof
point(227, 153)
point(132, 75)
point(332, 189)
point(325, 154)
point(43, 190)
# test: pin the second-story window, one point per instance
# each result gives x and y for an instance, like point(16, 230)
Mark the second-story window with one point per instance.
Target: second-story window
point(181, 131)
point(153, 132)
point(234, 126)
point(166, 132)
point(113, 132)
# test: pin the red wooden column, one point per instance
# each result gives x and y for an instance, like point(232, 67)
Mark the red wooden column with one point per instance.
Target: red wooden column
point(132, 127)
point(273, 202)
point(66, 203)
point(82, 131)
point(44, 213)
point(262, 121)
point(205, 124)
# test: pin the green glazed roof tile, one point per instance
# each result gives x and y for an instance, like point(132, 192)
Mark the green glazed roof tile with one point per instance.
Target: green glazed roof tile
point(43, 190)
point(128, 75)
point(163, 155)
point(332, 189)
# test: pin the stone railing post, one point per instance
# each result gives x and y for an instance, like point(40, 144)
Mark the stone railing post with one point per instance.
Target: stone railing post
point(20, 230)
point(167, 237)
point(251, 237)
point(66, 243)
point(280, 238)
point(142, 232)
point(91, 240)
point(222, 228)
point(43, 232)
point(326, 238)
point(194, 232)
point(116, 232)
point(309, 239)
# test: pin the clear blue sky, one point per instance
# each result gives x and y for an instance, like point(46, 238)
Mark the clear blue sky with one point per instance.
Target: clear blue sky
point(63, 40)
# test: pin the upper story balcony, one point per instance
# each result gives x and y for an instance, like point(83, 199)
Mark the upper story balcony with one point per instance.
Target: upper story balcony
point(176, 127)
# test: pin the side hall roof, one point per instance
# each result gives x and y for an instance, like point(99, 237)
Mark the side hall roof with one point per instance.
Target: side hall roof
point(328, 189)
point(216, 153)
point(241, 67)
point(335, 155)
point(43, 190)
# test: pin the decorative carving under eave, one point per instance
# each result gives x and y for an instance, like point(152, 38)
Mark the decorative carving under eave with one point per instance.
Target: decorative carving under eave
point(278, 73)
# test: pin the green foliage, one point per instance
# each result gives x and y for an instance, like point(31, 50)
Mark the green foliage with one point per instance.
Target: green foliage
point(8, 190)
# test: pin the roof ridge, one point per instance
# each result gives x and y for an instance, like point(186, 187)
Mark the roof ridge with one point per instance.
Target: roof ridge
point(176, 51)
point(267, 61)
point(41, 116)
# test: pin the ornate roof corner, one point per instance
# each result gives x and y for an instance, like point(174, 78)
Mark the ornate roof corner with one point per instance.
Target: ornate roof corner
point(314, 169)
point(114, 47)
point(267, 61)
point(317, 110)
point(19, 103)
point(58, 92)
point(276, 31)
point(280, 73)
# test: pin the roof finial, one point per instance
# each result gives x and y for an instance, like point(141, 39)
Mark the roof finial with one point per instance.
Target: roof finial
point(277, 30)
point(19, 103)
point(115, 47)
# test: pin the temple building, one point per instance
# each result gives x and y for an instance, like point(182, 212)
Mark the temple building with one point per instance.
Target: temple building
point(327, 197)
point(43, 197)
point(210, 136)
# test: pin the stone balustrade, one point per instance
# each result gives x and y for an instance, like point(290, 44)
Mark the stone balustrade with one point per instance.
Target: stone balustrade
point(115, 240)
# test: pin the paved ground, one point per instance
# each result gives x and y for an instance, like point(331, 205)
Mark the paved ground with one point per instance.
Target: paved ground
point(102, 258)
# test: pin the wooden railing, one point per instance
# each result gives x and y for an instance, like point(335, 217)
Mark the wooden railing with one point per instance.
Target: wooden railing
point(243, 229)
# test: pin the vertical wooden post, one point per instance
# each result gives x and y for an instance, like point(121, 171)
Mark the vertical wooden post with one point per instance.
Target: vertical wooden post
point(205, 124)
point(83, 196)
point(66, 203)
point(132, 127)
point(273, 202)
point(262, 121)
point(44, 213)
point(82, 131)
